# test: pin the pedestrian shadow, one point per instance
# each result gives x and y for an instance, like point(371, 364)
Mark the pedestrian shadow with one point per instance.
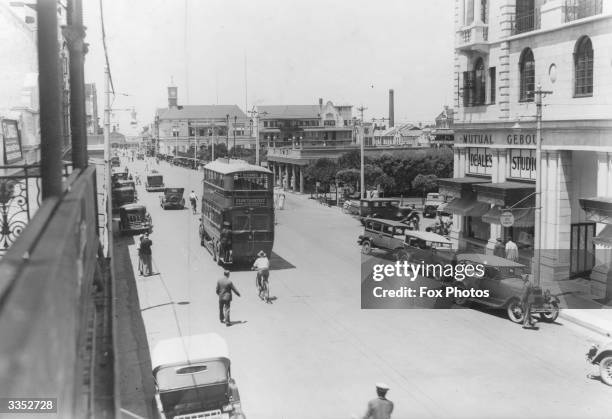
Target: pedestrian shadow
point(232, 323)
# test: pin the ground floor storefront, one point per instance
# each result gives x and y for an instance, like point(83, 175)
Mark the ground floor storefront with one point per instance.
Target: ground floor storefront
point(492, 197)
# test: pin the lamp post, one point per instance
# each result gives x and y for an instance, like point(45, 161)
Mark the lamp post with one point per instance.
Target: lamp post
point(256, 114)
point(234, 148)
point(227, 136)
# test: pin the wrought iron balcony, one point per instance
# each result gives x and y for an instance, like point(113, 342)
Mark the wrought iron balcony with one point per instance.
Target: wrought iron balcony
point(579, 9)
point(526, 22)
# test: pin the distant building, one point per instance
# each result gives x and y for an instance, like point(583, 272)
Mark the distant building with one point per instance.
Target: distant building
point(179, 128)
point(404, 135)
point(297, 135)
point(443, 133)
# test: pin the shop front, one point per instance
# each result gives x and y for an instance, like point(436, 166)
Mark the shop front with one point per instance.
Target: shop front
point(599, 211)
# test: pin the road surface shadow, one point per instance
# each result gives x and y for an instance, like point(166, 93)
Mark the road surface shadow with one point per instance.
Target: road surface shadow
point(277, 263)
point(237, 322)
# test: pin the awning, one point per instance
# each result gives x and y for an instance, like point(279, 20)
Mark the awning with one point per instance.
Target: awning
point(506, 193)
point(522, 217)
point(604, 238)
point(597, 209)
point(467, 207)
point(459, 187)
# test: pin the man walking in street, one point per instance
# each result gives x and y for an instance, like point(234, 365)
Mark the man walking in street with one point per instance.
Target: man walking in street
point(381, 407)
point(193, 199)
point(145, 254)
point(225, 287)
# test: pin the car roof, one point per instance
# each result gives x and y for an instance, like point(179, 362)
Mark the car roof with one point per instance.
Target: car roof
point(225, 166)
point(188, 349)
point(490, 260)
point(133, 207)
point(174, 189)
point(381, 199)
point(428, 236)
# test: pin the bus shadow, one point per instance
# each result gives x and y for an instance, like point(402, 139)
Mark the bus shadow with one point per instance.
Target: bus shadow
point(277, 263)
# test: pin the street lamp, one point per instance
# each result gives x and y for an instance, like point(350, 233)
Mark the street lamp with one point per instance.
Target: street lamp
point(257, 115)
point(234, 148)
point(227, 136)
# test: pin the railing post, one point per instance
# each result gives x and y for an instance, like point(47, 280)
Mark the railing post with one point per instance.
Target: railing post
point(75, 33)
point(50, 99)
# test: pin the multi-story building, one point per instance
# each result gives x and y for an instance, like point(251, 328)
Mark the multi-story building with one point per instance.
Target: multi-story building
point(297, 135)
point(504, 50)
point(179, 128)
point(443, 133)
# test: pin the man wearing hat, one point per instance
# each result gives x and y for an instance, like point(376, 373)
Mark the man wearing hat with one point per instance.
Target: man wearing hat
point(381, 407)
point(262, 265)
point(225, 240)
point(145, 255)
point(225, 287)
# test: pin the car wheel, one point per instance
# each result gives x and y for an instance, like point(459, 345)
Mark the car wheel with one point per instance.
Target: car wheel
point(515, 311)
point(551, 316)
point(605, 370)
point(461, 301)
point(366, 248)
point(402, 255)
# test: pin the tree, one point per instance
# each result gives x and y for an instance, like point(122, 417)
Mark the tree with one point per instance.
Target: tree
point(349, 177)
point(323, 171)
point(424, 184)
point(350, 160)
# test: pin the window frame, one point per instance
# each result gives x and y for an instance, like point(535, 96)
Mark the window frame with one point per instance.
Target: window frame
point(579, 48)
point(526, 94)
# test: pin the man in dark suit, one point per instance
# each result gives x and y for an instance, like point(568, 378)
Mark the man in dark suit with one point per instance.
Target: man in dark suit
point(225, 287)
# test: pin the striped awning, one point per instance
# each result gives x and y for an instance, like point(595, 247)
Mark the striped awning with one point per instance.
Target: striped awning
point(523, 217)
point(467, 207)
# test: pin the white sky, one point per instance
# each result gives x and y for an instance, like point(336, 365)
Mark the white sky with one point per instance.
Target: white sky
point(347, 51)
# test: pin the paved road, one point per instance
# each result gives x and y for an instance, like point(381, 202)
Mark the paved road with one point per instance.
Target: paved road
point(314, 353)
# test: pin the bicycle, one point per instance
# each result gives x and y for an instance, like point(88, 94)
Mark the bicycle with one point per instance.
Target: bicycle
point(263, 287)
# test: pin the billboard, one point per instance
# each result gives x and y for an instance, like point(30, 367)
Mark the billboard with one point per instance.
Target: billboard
point(11, 143)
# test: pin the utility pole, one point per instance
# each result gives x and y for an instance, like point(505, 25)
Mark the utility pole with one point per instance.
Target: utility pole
point(256, 115)
point(212, 153)
point(234, 148)
point(227, 136)
point(107, 157)
point(361, 109)
point(362, 149)
point(539, 93)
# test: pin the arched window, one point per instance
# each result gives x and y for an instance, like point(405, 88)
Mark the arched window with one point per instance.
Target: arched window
point(479, 82)
point(583, 67)
point(527, 72)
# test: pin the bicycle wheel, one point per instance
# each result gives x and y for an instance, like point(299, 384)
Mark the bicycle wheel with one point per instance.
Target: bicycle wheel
point(266, 291)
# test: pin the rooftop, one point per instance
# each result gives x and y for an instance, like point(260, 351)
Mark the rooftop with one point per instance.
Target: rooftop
point(201, 112)
point(289, 111)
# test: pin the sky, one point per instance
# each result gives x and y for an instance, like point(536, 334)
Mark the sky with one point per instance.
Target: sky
point(289, 52)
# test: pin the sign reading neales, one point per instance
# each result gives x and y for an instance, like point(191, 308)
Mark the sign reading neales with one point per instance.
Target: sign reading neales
point(480, 161)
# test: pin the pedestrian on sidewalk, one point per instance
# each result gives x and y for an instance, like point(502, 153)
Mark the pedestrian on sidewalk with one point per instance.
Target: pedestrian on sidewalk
point(511, 251)
point(527, 302)
point(225, 287)
point(145, 252)
point(381, 407)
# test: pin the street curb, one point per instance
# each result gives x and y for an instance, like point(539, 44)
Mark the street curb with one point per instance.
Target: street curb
point(586, 324)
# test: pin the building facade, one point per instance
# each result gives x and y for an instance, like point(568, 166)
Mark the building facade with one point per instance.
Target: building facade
point(297, 135)
point(443, 132)
point(181, 128)
point(91, 109)
point(504, 50)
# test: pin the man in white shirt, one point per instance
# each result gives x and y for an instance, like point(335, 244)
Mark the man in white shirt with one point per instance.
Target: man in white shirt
point(193, 199)
point(262, 265)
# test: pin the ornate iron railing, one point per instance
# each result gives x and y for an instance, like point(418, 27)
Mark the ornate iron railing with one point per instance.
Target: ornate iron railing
point(20, 198)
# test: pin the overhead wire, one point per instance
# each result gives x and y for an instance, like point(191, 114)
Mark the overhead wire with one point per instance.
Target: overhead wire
point(110, 77)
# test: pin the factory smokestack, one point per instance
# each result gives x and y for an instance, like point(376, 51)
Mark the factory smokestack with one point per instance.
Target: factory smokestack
point(391, 109)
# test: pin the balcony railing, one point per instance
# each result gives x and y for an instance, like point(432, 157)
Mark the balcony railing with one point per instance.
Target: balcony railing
point(473, 35)
point(579, 9)
point(20, 198)
point(526, 22)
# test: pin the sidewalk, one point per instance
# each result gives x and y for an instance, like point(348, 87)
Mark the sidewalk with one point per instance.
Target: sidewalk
point(596, 320)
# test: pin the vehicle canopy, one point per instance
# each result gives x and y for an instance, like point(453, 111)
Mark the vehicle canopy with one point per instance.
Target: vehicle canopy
point(155, 180)
point(174, 191)
point(119, 176)
point(124, 191)
point(386, 201)
point(190, 361)
point(228, 166)
point(429, 239)
point(124, 184)
point(133, 209)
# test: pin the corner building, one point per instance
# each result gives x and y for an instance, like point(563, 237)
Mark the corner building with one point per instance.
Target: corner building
point(504, 49)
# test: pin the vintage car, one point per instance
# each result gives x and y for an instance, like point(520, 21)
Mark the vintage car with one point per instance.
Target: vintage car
point(172, 198)
point(505, 282)
point(383, 234)
point(123, 195)
point(155, 183)
point(432, 202)
point(134, 218)
point(115, 161)
point(601, 355)
point(116, 176)
point(427, 247)
point(193, 379)
point(386, 208)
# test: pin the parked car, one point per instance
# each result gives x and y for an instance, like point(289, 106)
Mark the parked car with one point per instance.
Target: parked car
point(601, 355)
point(155, 183)
point(116, 176)
point(134, 218)
point(115, 161)
point(432, 202)
point(505, 281)
point(124, 195)
point(388, 235)
point(172, 198)
point(428, 248)
point(388, 209)
point(140, 156)
point(193, 379)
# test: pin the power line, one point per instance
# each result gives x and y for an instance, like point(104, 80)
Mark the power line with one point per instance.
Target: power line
point(105, 48)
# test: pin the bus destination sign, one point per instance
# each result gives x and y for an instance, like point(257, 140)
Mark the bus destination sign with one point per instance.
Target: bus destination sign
point(250, 202)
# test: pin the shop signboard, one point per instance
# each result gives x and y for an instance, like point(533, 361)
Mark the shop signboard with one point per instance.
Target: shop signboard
point(11, 141)
point(480, 161)
point(522, 164)
point(506, 219)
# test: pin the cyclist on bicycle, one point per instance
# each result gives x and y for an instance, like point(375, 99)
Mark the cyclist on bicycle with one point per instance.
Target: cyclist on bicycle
point(193, 198)
point(262, 265)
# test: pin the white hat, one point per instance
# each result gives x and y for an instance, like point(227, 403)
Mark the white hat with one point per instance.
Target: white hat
point(382, 386)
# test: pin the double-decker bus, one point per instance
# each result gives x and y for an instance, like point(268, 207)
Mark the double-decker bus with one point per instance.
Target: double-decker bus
point(239, 196)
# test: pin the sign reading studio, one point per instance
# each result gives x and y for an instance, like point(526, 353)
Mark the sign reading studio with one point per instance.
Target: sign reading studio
point(522, 164)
